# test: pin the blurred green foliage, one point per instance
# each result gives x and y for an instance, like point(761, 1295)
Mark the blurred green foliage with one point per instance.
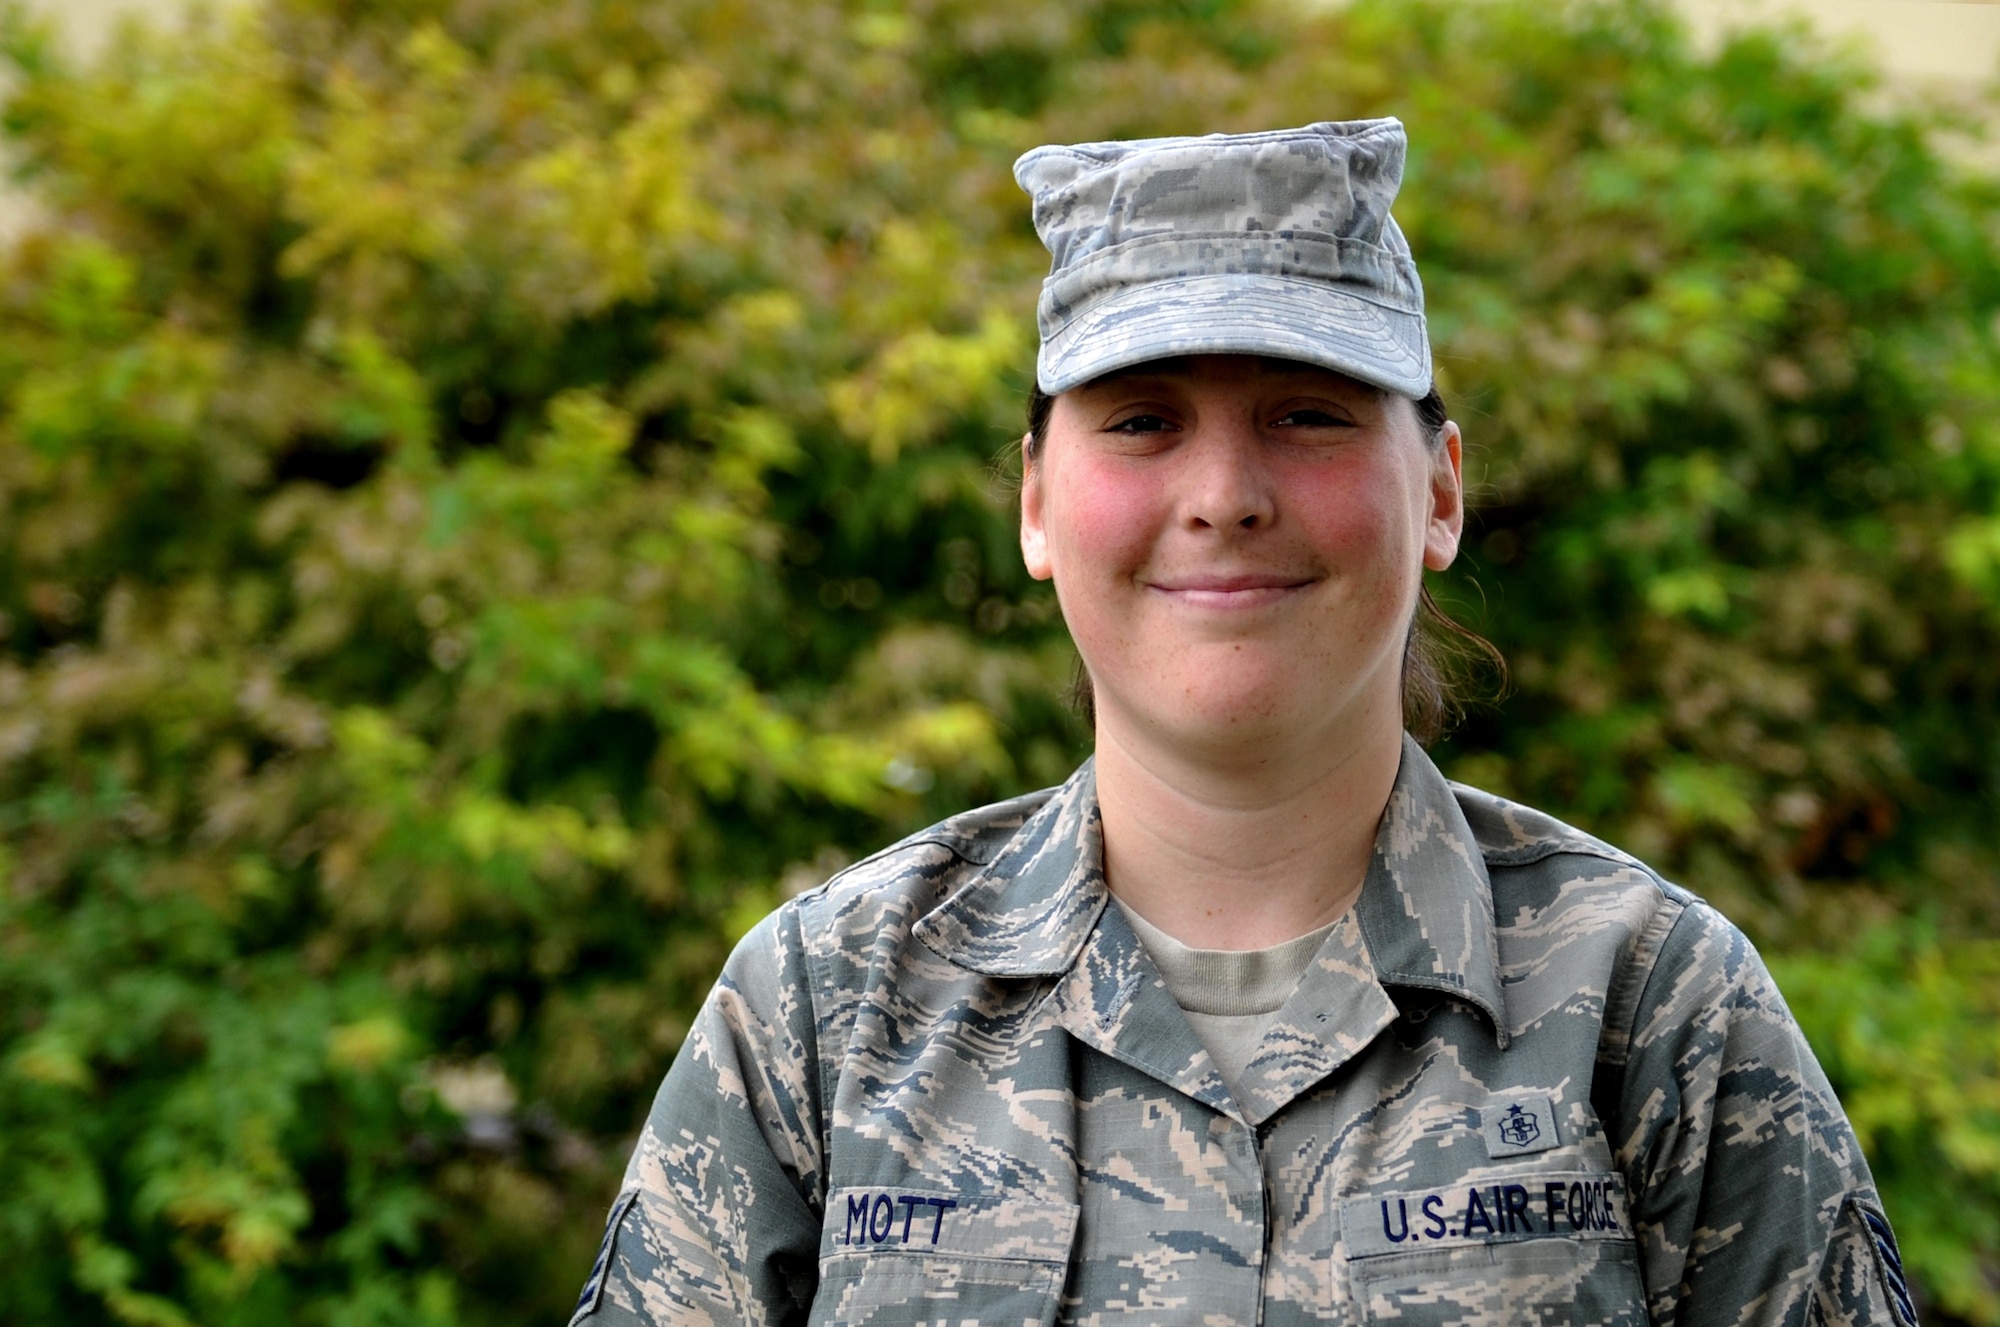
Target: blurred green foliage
point(494, 494)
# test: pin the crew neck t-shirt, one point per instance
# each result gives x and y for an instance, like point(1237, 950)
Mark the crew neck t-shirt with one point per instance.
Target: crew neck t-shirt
point(1230, 996)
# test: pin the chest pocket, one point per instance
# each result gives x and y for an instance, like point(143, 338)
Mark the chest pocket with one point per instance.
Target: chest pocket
point(918, 1258)
point(1554, 1250)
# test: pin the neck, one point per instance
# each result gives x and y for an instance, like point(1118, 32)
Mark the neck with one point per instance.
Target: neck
point(1249, 854)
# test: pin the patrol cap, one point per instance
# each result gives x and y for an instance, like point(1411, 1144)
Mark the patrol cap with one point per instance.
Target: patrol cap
point(1276, 243)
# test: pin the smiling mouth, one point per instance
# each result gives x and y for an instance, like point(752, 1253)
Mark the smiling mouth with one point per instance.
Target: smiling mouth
point(1249, 591)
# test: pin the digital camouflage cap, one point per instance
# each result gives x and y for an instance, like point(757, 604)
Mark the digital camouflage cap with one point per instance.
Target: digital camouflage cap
point(1277, 243)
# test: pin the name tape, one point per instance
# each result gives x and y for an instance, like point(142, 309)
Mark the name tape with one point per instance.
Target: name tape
point(1569, 1205)
point(894, 1218)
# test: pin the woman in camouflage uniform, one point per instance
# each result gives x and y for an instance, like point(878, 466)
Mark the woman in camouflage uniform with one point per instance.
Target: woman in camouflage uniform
point(1256, 1019)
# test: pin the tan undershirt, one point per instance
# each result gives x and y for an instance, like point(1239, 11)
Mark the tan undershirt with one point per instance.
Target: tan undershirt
point(1230, 996)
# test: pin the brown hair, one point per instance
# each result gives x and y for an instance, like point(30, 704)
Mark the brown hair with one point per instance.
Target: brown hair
point(1440, 654)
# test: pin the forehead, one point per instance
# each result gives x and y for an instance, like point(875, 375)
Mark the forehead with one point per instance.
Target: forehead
point(1223, 370)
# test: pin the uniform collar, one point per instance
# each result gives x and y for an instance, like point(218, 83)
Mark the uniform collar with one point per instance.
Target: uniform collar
point(1426, 911)
point(1029, 912)
point(1424, 918)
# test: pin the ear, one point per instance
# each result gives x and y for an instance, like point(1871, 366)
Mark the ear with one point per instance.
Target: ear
point(1034, 537)
point(1447, 501)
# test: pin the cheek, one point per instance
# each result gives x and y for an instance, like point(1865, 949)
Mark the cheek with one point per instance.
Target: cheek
point(1359, 518)
point(1101, 523)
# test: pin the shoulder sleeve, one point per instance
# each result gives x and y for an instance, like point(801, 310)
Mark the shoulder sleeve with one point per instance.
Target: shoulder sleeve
point(718, 1220)
point(1751, 1197)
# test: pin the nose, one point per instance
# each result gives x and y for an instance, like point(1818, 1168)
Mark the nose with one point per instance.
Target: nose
point(1228, 483)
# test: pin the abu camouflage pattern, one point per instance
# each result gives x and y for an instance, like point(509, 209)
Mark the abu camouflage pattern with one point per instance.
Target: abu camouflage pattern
point(1277, 243)
point(1524, 1081)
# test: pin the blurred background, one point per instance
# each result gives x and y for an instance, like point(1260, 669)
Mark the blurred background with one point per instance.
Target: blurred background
point(495, 494)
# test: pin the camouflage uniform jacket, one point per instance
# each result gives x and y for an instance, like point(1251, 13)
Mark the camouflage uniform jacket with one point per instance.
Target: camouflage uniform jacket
point(1525, 1080)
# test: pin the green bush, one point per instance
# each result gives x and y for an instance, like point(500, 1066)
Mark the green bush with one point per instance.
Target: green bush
point(493, 495)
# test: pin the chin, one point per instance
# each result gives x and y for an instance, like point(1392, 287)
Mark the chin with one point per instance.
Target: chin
point(1230, 706)
point(1241, 715)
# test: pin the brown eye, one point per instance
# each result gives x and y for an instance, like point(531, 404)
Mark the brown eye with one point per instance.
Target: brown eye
point(1139, 424)
point(1309, 418)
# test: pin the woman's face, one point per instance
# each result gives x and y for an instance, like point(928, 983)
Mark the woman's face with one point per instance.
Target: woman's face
point(1237, 544)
